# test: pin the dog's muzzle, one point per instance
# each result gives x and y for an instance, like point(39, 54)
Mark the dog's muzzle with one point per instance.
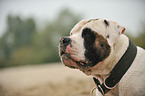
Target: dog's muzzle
point(65, 56)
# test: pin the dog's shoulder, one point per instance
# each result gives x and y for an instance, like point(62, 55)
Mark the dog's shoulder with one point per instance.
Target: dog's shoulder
point(140, 57)
point(134, 78)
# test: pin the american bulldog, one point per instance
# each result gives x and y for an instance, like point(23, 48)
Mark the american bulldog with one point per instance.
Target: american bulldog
point(99, 48)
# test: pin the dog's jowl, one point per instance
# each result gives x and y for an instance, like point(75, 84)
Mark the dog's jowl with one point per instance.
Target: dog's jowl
point(99, 48)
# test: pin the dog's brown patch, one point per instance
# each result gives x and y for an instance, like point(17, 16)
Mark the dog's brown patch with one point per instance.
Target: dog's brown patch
point(97, 47)
point(102, 45)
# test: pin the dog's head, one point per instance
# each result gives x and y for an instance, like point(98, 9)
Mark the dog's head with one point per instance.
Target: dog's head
point(89, 43)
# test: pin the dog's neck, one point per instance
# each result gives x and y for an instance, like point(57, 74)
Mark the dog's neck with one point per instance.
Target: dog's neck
point(103, 69)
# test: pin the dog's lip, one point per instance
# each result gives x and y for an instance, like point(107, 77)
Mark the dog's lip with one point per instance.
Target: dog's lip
point(62, 52)
point(81, 64)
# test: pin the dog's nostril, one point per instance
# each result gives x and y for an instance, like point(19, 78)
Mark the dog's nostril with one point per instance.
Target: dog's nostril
point(65, 40)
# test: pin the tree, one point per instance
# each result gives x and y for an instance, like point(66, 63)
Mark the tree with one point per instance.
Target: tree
point(47, 41)
point(19, 33)
point(23, 44)
point(140, 39)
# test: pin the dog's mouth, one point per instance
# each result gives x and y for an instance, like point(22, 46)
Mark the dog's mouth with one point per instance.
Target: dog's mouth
point(62, 52)
point(72, 63)
point(67, 60)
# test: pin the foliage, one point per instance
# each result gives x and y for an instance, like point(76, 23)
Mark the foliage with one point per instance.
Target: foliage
point(18, 34)
point(23, 43)
point(140, 39)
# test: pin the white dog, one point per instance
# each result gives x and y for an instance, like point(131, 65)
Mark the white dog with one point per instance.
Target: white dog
point(99, 48)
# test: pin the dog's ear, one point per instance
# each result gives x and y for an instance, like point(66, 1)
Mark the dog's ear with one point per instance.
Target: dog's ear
point(114, 30)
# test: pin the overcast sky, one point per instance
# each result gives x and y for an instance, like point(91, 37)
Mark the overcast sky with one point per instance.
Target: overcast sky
point(129, 13)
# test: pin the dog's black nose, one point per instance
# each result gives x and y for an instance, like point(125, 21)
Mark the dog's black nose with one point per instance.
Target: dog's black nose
point(65, 41)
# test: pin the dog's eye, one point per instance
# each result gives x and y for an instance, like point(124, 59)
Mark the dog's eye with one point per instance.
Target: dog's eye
point(86, 33)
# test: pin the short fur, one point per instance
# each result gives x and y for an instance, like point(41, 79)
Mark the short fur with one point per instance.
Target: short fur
point(132, 83)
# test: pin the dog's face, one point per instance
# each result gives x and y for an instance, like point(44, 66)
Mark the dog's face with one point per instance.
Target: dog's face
point(89, 43)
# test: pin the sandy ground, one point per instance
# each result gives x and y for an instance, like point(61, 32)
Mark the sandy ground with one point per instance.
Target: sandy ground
point(44, 80)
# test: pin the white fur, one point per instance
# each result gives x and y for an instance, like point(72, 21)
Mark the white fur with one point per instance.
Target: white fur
point(133, 82)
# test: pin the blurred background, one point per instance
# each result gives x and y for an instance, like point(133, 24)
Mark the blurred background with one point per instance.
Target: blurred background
point(30, 29)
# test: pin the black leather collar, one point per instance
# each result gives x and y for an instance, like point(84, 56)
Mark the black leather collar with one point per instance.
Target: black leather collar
point(119, 70)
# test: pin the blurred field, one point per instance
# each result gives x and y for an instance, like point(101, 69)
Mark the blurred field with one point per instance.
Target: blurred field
point(44, 80)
